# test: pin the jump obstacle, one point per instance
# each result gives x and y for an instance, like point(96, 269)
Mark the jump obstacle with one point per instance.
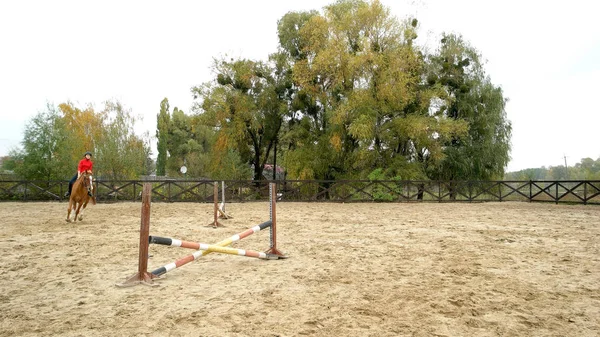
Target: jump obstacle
point(145, 277)
point(219, 209)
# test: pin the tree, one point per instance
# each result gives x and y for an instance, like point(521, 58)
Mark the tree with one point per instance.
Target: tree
point(231, 167)
point(323, 77)
point(288, 32)
point(587, 169)
point(527, 174)
point(470, 96)
point(189, 143)
point(43, 156)
point(120, 153)
point(360, 101)
point(84, 127)
point(244, 107)
point(162, 134)
point(56, 139)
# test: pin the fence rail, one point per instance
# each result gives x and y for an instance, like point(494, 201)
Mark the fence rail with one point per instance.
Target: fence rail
point(172, 190)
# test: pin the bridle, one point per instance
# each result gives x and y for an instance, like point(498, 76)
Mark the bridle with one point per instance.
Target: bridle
point(86, 179)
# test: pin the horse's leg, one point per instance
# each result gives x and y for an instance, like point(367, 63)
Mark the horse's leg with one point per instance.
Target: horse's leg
point(69, 210)
point(83, 209)
point(77, 211)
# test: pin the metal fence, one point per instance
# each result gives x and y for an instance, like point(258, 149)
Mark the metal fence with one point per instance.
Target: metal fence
point(173, 190)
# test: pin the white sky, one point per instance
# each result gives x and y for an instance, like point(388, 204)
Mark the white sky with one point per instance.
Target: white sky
point(544, 54)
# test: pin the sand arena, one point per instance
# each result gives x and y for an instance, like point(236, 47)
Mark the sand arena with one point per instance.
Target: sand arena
point(368, 269)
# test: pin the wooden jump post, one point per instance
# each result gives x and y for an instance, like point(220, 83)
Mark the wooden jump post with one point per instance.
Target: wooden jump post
point(145, 277)
point(273, 217)
point(219, 209)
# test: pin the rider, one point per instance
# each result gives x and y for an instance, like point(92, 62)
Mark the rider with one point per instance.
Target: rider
point(85, 164)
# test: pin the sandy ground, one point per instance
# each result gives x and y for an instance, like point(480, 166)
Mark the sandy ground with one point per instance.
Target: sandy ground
point(488, 269)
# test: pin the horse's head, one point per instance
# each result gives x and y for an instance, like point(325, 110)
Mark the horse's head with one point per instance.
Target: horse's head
point(86, 179)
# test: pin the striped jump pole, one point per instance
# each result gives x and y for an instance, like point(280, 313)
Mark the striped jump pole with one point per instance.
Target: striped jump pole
point(212, 248)
point(166, 268)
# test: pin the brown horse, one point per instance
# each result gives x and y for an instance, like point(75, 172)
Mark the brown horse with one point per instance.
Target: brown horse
point(79, 196)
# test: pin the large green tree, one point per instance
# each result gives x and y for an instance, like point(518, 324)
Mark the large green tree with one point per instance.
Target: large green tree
point(361, 102)
point(189, 144)
point(310, 135)
point(244, 106)
point(120, 153)
point(470, 96)
point(44, 154)
point(84, 127)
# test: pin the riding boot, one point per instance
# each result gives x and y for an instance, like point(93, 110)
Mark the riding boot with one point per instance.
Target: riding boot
point(69, 191)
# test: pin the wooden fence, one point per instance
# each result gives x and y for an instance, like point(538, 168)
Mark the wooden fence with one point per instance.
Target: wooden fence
point(173, 190)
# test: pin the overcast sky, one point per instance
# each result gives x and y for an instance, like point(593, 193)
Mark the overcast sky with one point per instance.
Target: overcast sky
point(544, 54)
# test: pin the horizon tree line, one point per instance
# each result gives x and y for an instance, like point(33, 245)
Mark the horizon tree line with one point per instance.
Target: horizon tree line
point(348, 94)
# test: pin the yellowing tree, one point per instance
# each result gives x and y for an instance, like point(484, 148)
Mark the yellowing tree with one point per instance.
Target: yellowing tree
point(361, 100)
point(84, 127)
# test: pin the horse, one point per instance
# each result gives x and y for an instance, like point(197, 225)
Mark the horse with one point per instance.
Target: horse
point(79, 196)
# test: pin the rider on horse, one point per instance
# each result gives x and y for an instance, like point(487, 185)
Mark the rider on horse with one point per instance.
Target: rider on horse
point(85, 164)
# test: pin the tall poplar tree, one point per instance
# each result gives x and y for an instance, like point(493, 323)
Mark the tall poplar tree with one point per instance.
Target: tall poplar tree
point(162, 135)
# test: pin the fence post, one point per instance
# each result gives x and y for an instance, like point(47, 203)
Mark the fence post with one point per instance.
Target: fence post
point(169, 191)
point(470, 186)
